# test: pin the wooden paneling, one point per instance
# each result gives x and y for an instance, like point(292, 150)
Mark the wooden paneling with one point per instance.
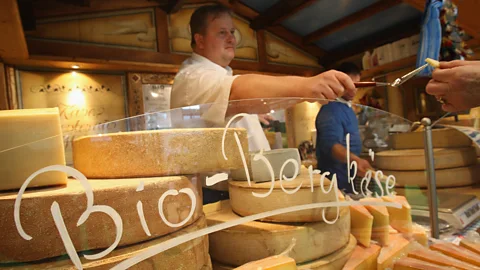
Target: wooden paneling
point(161, 27)
point(3, 89)
point(13, 44)
point(262, 48)
point(296, 40)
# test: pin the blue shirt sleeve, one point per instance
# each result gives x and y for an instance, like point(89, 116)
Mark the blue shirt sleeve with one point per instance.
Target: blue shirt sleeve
point(329, 128)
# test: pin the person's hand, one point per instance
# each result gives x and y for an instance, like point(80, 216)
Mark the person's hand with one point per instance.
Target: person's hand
point(457, 83)
point(328, 85)
point(265, 119)
point(363, 166)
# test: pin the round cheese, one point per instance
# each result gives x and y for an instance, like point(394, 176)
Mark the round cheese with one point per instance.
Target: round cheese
point(257, 240)
point(99, 230)
point(244, 203)
point(158, 153)
point(455, 177)
point(335, 260)
point(189, 255)
point(414, 159)
point(441, 138)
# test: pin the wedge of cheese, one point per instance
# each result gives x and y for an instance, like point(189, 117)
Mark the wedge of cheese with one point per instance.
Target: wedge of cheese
point(158, 153)
point(189, 255)
point(439, 258)
point(457, 252)
point(279, 262)
point(397, 248)
point(30, 140)
point(98, 231)
point(381, 221)
point(400, 219)
point(244, 203)
point(363, 258)
point(419, 234)
point(414, 264)
point(432, 62)
point(361, 224)
point(256, 240)
point(472, 246)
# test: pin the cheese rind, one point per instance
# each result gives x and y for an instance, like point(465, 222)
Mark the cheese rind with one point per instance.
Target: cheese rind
point(381, 221)
point(457, 252)
point(256, 240)
point(98, 231)
point(363, 258)
point(400, 218)
point(30, 140)
point(158, 153)
point(361, 224)
point(189, 255)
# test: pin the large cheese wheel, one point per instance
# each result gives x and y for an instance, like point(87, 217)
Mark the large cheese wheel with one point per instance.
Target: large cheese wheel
point(414, 159)
point(441, 138)
point(335, 260)
point(257, 240)
point(244, 203)
point(190, 255)
point(30, 140)
point(456, 177)
point(158, 153)
point(98, 231)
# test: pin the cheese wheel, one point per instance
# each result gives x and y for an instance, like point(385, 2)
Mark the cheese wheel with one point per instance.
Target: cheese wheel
point(335, 260)
point(256, 240)
point(158, 153)
point(98, 231)
point(414, 159)
point(456, 177)
point(190, 255)
point(30, 140)
point(441, 138)
point(244, 203)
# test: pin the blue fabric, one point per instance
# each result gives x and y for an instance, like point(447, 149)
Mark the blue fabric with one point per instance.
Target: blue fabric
point(333, 122)
point(430, 35)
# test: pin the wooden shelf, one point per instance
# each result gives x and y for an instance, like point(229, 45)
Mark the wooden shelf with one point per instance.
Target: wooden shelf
point(392, 66)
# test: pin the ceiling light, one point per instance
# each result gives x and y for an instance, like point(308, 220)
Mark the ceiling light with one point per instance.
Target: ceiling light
point(75, 66)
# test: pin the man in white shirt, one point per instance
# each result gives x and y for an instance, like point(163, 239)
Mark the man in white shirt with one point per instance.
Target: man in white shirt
point(206, 77)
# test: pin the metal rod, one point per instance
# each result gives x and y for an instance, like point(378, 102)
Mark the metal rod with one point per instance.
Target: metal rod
point(431, 181)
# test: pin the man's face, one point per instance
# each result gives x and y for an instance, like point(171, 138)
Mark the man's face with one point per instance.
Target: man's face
point(218, 42)
point(355, 78)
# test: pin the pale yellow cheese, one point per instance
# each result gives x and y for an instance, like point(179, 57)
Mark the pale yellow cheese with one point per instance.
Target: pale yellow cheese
point(191, 255)
point(98, 231)
point(432, 62)
point(278, 262)
point(363, 258)
point(439, 258)
point(252, 238)
point(158, 152)
point(419, 234)
point(397, 248)
point(400, 219)
point(457, 252)
point(441, 138)
point(408, 263)
point(30, 140)
point(381, 222)
point(361, 224)
point(244, 203)
point(472, 246)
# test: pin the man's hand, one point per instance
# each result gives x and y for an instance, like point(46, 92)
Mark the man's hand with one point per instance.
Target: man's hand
point(328, 85)
point(457, 83)
point(265, 119)
point(363, 166)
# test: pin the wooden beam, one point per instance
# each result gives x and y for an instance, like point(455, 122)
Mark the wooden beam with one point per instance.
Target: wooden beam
point(279, 11)
point(262, 48)
point(349, 20)
point(3, 89)
point(161, 27)
point(391, 34)
point(13, 44)
point(174, 6)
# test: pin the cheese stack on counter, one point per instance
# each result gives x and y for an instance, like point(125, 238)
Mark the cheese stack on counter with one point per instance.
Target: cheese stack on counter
point(456, 162)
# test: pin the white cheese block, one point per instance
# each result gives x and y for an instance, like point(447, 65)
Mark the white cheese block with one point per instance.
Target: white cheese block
point(259, 172)
point(414, 159)
point(335, 260)
point(441, 138)
point(190, 255)
point(30, 140)
point(244, 203)
point(456, 177)
point(158, 153)
point(256, 240)
point(98, 231)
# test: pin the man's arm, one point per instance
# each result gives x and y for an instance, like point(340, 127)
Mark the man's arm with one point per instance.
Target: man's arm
point(339, 152)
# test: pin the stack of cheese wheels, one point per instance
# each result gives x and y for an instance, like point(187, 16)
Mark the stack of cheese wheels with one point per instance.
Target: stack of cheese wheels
point(317, 244)
point(455, 160)
point(141, 191)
